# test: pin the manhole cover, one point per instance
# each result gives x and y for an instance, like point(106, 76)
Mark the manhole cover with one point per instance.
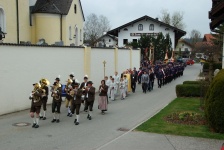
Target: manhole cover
point(21, 124)
point(123, 129)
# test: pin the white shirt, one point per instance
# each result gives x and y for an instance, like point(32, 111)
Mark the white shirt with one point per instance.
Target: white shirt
point(116, 78)
point(108, 82)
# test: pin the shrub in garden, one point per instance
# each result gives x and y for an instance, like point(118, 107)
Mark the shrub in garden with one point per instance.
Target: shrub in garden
point(188, 90)
point(214, 103)
point(215, 66)
point(192, 82)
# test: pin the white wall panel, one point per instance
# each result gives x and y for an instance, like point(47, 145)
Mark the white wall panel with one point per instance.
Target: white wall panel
point(21, 66)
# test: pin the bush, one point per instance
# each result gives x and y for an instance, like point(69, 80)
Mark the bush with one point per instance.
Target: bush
point(188, 90)
point(214, 103)
point(215, 66)
point(192, 82)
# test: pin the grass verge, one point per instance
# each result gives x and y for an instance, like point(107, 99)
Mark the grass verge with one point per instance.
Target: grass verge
point(157, 124)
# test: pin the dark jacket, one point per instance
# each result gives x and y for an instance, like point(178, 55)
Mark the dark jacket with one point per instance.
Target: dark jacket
point(78, 99)
point(134, 78)
point(91, 94)
point(104, 91)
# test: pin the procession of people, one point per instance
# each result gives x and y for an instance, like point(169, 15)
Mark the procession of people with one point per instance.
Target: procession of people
point(116, 87)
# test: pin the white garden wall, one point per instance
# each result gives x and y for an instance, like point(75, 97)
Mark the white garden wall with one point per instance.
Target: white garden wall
point(21, 66)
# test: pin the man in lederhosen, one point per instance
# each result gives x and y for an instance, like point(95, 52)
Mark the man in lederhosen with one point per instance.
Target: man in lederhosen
point(83, 88)
point(90, 97)
point(36, 98)
point(76, 102)
point(56, 103)
point(44, 87)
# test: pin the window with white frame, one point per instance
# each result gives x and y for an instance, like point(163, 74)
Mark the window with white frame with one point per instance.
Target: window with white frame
point(80, 34)
point(2, 20)
point(151, 27)
point(140, 27)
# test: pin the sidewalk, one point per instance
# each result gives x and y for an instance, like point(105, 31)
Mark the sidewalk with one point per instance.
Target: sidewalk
point(151, 141)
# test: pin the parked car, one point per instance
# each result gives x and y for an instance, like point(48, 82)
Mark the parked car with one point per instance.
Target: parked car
point(190, 62)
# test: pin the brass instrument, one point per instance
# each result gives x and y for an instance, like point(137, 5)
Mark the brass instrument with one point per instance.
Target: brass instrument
point(55, 91)
point(68, 85)
point(44, 82)
point(36, 93)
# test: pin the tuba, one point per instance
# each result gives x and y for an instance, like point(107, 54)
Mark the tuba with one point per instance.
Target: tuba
point(36, 93)
point(56, 94)
point(44, 82)
point(68, 85)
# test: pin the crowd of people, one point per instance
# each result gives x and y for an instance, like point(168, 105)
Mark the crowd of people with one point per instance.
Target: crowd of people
point(112, 88)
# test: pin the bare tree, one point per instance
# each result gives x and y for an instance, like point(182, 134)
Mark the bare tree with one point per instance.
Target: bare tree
point(195, 36)
point(175, 20)
point(165, 16)
point(95, 27)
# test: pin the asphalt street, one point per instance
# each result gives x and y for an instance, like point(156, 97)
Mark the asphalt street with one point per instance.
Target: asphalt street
point(114, 130)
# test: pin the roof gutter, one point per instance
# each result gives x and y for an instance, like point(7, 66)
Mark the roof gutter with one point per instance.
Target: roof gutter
point(17, 20)
point(61, 27)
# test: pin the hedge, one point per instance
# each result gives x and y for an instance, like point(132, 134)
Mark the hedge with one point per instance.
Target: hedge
point(215, 66)
point(192, 82)
point(214, 103)
point(188, 90)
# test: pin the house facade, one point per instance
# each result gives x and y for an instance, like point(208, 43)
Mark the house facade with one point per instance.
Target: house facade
point(51, 20)
point(133, 30)
point(107, 40)
point(183, 48)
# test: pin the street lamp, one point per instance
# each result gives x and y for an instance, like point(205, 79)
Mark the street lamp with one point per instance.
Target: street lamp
point(104, 67)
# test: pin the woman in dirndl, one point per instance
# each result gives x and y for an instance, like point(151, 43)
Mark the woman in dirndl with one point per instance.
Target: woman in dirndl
point(102, 101)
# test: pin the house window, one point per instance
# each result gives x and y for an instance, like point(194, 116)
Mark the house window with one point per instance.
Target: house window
point(125, 41)
point(70, 33)
point(75, 9)
point(179, 49)
point(140, 27)
point(109, 40)
point(2, 20)
point(182, 44)
point(125, 29)
point(135, 40)
point(186, 49)
point(80, 34)
point(151, 27)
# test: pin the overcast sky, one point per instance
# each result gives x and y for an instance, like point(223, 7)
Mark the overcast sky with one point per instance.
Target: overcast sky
point(120, 12)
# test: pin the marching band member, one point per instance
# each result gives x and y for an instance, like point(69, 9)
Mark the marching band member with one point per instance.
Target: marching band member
point(83, 87)
point(36, 103)
point(76, 101)
point(102, 101)
point(122, 89)
point(44, 86)
point(90, 97)
point(56, 94)
point(68, 96)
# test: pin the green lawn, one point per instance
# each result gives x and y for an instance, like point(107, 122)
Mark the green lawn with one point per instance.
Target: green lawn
point(157, 124)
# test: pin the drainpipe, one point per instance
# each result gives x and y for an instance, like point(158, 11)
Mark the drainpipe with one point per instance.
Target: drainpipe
point(61, 28)
point(17, 20)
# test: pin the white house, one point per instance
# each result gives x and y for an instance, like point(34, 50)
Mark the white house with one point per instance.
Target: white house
point(107, 40)
point(184, 47)
point(133, 30)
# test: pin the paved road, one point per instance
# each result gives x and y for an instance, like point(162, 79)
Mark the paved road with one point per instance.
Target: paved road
point(102, 132)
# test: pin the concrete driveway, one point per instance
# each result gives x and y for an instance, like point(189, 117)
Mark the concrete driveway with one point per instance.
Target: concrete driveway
point(112, 131)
